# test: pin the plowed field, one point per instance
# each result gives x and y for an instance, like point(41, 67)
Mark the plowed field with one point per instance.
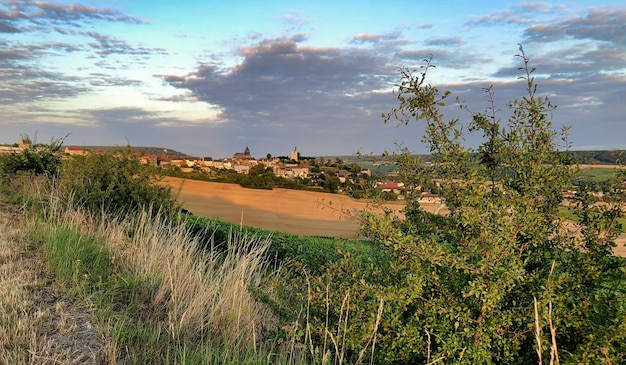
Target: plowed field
point(291, 211)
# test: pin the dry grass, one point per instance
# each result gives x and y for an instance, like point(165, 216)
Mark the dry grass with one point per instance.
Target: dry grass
point(194, 291)
point(201, 290)
point(36, 326)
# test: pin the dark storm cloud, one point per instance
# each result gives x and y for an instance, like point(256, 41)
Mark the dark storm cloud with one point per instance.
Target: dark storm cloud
point(278, 77)
point(284, 90)
point(281, 88)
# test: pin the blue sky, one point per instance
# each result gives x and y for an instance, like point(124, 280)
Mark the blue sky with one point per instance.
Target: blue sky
point(209, 78)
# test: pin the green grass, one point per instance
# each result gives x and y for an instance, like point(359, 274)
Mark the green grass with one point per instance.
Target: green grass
point(313, 252)
point(75, 259)
point(378, 168)
point(567, 213)
point(596, 174)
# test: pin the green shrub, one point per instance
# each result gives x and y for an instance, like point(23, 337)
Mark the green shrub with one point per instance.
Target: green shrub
point(105, 182)
point(34, 158)
point(463, 288)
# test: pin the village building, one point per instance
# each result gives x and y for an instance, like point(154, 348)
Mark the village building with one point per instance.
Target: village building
point(391, 186)
point(8, 149)
point(74, 150)
point(243, 156)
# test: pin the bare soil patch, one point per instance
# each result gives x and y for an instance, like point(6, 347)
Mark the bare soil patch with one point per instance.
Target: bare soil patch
point(600, 166)
point(291, 211)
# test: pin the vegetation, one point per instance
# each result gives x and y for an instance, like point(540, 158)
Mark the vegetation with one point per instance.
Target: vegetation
point(503, 278)
point(35, 158)
point(613, 157)
point(500, 279)
point(114, 182)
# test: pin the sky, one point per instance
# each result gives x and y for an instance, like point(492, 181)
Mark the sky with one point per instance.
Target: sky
point(209, 78)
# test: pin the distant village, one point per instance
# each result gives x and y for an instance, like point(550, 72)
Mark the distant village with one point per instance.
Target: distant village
point(240, 162)
point(293, 166)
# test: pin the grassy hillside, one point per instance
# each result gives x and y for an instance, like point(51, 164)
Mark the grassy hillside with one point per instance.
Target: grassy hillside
point(151, 150)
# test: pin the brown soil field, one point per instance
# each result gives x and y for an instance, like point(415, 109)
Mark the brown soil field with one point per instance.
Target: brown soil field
point(291, 211)
point(598, 166)
point(285, 210)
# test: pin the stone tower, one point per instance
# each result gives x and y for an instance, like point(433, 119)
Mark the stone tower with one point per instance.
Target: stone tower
point(294, 154)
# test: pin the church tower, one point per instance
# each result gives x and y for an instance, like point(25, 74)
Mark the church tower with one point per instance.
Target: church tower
point(294, 154)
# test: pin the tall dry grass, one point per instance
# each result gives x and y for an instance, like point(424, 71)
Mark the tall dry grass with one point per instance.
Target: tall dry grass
point(196, 292)
point(201, 290)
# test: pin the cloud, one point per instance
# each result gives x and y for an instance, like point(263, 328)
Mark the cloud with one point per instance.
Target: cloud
point(445, 42)
point(444, 57)
point(377, 38)
point(281, 82)
point(40, 31)
point(41, 12)
point(600, 24)
point(26, 84)
point(6, 27)
point(294, 20)
point(106, 45)
point(520, 14)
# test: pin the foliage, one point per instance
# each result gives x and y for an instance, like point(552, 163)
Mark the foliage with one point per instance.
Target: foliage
point(599, 157)
point(462, 288)
point(33, 158)
point(108, 182)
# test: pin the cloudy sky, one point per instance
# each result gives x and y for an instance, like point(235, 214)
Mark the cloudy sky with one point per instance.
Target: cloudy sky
point(209, 78)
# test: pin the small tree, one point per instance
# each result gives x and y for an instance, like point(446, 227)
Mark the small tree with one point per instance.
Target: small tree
point(463, 288)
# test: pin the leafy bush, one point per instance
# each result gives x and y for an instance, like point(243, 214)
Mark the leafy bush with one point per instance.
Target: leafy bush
point(500, 279)
point(34, 158)
point(114, 182)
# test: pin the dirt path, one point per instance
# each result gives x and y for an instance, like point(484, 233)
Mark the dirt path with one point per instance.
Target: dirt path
point(37, 325)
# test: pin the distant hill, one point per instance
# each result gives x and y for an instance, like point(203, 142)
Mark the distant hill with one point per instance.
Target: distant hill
point(612, 157)
point(161, 151)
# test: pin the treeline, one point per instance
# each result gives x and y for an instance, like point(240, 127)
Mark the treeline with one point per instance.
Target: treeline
point(606, 157)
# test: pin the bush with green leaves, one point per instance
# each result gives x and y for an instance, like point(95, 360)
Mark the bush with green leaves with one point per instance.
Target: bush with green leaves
point(35, 158)
point(502, 278)
point(114, 181)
